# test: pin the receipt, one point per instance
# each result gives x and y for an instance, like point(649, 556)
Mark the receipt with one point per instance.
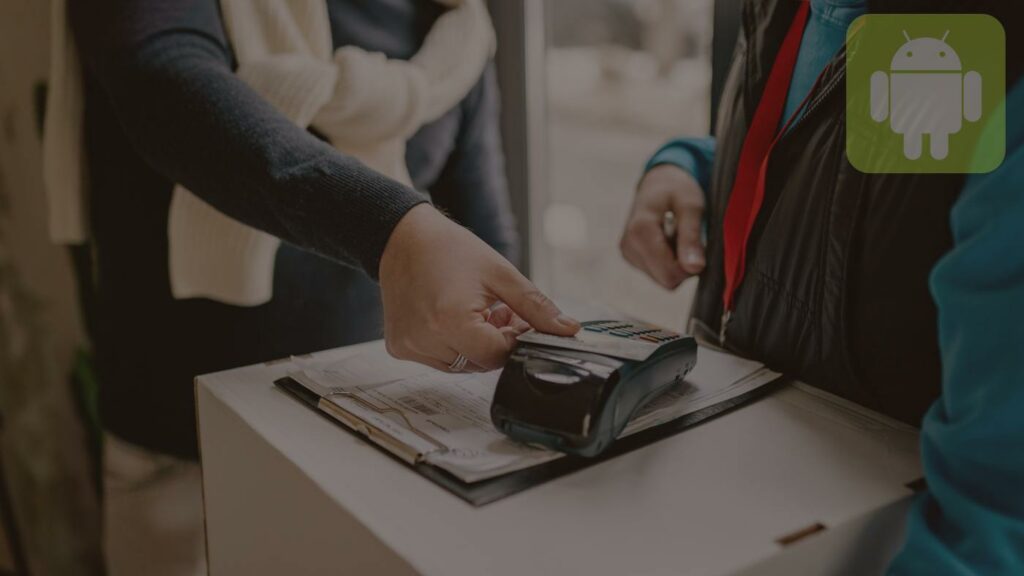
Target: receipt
point(445, 418)
point(328, 375)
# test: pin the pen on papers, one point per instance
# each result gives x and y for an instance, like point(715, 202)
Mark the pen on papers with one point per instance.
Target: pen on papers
point(668, 227)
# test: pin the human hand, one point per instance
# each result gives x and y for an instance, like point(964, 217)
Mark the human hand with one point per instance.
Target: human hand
point(446, 292)
point(665, 188)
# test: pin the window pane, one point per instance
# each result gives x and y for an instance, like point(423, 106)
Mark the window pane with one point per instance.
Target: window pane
point(623, 76)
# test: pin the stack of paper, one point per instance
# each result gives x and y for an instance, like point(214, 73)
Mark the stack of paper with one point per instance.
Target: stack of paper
point(423, 415)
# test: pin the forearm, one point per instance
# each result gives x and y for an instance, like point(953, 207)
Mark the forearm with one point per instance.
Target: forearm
point(196, 123)
point(971, 519)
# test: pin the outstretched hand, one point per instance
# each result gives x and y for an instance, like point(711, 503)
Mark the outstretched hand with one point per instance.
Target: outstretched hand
point(445, 293)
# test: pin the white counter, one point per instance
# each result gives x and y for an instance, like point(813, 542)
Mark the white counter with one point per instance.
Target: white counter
point(289, 492)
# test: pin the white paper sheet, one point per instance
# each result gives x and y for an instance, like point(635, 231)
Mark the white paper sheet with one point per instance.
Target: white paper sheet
point(716, 378)
point(337, 373)
point(445, 418)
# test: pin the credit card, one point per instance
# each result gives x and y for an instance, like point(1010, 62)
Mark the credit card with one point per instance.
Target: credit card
point(615, 338)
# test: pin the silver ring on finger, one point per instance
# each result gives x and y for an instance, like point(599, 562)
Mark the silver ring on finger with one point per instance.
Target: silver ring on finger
point(459, 364)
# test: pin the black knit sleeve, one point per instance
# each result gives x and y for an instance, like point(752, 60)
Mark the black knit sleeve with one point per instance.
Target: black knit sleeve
point(166, 68)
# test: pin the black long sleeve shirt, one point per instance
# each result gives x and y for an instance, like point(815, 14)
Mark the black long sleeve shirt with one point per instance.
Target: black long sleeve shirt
point(164, 106)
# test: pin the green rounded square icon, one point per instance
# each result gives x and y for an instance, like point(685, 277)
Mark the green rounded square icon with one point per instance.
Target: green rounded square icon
point(925, 93)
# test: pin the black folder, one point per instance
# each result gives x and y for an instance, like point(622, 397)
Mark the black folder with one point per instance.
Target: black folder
point(493, 489)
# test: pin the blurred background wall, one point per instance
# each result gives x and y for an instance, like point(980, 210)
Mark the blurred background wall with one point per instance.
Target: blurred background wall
point(46, 455)
point(621, 77)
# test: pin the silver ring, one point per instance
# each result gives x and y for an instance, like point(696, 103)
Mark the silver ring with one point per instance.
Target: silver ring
point(459, 364)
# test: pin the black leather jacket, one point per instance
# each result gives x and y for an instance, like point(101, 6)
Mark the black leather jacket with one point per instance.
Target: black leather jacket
point(835, 290)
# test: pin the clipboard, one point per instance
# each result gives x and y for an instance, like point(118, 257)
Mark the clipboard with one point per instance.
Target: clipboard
point(491, 490)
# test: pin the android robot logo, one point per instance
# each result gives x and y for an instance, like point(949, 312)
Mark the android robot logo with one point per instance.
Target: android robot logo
point(926, 92)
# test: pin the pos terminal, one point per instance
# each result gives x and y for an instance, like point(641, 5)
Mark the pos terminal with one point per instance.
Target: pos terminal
point(576, 394)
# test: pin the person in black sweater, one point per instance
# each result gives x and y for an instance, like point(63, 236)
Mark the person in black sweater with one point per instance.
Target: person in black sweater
point(163, 106)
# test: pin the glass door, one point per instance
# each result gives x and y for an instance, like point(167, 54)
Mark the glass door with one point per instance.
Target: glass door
point(618, 78)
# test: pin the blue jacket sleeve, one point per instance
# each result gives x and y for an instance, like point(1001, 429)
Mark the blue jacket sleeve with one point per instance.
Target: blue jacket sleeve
point(971, 518)
point(695, 155)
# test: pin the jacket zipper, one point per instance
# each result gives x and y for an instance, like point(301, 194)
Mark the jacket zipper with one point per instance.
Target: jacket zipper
point(812, 106)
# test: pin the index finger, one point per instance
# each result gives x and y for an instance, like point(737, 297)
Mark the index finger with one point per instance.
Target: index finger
point(658, 257)
point(689, 248)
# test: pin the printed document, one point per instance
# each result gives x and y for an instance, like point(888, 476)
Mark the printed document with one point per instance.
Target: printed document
point(444, 419)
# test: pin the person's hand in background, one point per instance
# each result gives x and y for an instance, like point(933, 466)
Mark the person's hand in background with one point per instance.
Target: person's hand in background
point(442, 289)
point(644, 244)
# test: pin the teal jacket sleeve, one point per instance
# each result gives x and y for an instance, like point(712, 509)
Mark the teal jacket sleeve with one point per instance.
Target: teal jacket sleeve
point(694, 155)
point(971, 518)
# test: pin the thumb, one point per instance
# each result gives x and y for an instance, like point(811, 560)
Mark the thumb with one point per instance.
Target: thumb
point(531, 304)
point(689, 248)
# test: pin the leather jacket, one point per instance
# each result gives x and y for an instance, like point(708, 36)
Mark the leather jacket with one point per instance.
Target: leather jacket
point(835, 290)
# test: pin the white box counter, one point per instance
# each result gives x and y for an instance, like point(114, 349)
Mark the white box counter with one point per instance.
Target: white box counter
point(794, 479)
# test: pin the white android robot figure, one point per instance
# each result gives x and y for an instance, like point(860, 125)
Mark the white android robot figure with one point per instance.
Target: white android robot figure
point(925, 93)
